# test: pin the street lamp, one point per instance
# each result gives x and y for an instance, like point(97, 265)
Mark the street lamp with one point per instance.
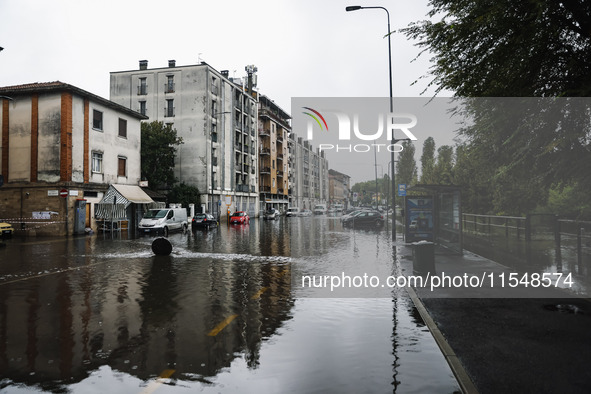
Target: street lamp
point(355, 8)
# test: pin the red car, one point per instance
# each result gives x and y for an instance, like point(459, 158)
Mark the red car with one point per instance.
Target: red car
point(239, 217)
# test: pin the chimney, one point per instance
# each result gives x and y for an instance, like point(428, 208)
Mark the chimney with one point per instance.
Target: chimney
point(143, 64)
point(225, 73)
point(171, 63)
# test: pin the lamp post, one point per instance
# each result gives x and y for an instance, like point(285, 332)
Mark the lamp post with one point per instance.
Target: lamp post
point(393, 141)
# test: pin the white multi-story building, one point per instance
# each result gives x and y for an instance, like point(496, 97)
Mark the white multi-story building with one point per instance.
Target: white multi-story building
point(217, 120)
point(309, 174)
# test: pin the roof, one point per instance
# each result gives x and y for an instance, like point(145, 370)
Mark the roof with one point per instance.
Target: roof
point(57, 86)
point(133, 194)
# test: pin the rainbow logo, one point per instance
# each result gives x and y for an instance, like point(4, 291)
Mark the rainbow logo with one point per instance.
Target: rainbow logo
point(315, 118)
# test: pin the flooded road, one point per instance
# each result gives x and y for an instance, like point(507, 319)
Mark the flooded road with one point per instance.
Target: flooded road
point(221, 314)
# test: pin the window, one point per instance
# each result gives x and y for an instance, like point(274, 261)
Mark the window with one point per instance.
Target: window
point(97, 120)
point(97, 162)
point(142, 89)
point(214, 86)
point(121, 167)
point(122, 128)
point(169, 110)
point(169, 88)
point(142, 107)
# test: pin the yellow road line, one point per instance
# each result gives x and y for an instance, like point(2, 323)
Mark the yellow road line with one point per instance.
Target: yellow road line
point(221, 326)
point(154, 385)
point(259, 293)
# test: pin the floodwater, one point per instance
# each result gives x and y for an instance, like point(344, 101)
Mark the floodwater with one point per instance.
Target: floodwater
point(223, 313)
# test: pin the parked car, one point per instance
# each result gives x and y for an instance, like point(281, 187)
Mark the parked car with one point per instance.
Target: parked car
point(6, 229)
point(239, 217)
point(306, 212)
point(293, 211)
point(162, 221)
point(320, 209)
point(271, 214)
point(365, 219)
point(354, 212)
point(203, 220)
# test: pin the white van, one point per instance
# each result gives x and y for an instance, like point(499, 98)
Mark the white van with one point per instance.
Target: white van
point(164, 220)
point(320, 209)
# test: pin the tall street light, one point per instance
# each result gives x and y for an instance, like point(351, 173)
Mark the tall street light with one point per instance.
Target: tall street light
point(393, 180)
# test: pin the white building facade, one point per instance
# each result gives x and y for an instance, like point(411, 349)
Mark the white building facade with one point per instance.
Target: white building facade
point(60, 145)
point(215, 117)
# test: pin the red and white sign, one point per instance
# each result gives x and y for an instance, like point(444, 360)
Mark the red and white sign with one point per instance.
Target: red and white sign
point(63, 193)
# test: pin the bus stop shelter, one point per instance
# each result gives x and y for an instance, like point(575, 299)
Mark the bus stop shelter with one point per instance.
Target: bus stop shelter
point(434, 213)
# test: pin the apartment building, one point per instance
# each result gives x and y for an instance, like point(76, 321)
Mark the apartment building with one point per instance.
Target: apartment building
point(309, 174)
point(339, 188)
point(61, 149)
point(217, 120)
point(274, 130)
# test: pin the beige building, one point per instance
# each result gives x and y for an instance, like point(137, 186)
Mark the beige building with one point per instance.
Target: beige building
point(61, 148)
point(339, 186)
point(274, 129)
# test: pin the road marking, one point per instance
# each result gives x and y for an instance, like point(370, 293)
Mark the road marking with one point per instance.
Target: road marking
point(259, 293)
point(154, 385)
point(221, 326)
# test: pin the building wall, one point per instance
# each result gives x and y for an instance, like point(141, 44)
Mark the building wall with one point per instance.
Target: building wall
point(203, 98)
point(47, 145)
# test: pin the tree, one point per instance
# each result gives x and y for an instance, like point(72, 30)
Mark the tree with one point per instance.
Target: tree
point(526, 48)
point(442, 172)
point(159, 145)
point(406, 169)
point(184, 194)
point(508, 48)
point(428, 161)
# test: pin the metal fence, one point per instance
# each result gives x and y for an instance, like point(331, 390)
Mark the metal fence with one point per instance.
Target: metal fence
point(572, 234)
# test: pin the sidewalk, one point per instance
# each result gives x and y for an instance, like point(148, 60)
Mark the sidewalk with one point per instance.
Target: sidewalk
point(507, 340)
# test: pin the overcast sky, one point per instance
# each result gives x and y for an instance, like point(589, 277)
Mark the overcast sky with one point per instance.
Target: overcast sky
point(304, 48)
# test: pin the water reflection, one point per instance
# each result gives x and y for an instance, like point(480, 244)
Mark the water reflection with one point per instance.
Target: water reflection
point(106, 313)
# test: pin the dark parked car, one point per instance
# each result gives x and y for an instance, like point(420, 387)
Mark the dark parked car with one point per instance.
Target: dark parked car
point(271, 214)
point(203, 220)
point(239, 217)
point(365, 219)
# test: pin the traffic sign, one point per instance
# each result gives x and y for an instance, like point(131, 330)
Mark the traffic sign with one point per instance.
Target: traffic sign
point(401, 189)
point(63, 193)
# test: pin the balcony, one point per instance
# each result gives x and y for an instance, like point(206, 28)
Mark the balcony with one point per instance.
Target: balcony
point(265, 189)
point(280, 156)
point(265, 170)
point(265, 151)
point(264, 132)
point(280, 173)
point(169, 87)
point(242, 188)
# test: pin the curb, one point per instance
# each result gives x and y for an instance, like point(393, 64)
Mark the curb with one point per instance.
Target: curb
point(466, 384)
